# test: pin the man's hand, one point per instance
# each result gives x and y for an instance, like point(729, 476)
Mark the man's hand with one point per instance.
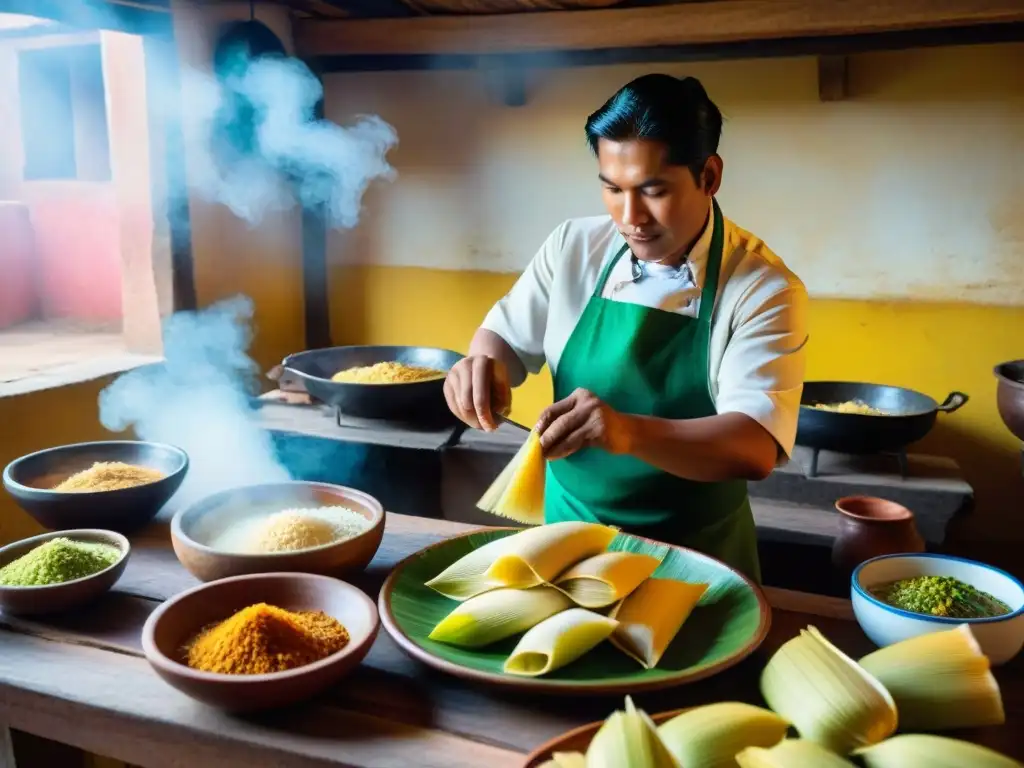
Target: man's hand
point(477, 390)
point(579, 421)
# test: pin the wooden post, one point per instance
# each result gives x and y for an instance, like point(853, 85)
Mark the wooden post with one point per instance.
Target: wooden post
point(315, 275)
point(506, 81)
point(512, 84)
point(6, 747)
point(832, 78)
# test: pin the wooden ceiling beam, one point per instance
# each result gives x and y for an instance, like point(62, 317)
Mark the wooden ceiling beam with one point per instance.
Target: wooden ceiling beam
point(687, 23)
point(313, 9)
point(319, 8)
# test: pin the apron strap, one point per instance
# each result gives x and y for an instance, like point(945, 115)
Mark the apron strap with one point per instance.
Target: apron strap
point(710, 291)
point(606, 272)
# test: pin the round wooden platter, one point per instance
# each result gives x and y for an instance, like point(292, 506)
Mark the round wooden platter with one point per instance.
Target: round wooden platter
point(578, 739)
point(728, 625)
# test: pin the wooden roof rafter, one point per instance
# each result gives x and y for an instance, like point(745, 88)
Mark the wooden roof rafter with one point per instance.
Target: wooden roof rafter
point(709, 29)
point(301, 9)
point(685, 23)
point(502, 45)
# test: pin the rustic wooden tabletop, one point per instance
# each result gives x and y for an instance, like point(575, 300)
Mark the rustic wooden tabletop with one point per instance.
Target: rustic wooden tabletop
point(82, 680)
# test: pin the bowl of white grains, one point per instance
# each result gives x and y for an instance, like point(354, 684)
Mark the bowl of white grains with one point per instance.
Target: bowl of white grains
point(279, 527)
point(116, 485)
point(59, 571)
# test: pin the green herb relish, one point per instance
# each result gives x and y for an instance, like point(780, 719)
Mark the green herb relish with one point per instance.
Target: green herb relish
point(940, 596)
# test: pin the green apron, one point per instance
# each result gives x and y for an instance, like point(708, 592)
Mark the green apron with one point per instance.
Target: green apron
point(649, 362)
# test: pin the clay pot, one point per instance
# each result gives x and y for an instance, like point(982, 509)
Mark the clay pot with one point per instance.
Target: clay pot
point(1010, 396)
point(869, 527)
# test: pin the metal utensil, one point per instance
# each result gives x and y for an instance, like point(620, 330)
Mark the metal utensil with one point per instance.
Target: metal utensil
point(515, 424)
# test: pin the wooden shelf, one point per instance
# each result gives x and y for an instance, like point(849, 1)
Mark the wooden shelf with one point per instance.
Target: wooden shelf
point(712, 29)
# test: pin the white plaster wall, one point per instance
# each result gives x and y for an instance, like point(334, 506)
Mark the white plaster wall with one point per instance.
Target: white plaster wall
point(913, 187)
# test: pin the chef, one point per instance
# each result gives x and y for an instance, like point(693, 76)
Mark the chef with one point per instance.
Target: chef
point(674, 337)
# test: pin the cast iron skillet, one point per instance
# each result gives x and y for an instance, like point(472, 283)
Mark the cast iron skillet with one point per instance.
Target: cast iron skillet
point(912, 417)
point(416, 402)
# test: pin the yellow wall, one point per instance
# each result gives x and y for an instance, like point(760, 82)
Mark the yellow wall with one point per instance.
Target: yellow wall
point(42, 420)
point(934, 348)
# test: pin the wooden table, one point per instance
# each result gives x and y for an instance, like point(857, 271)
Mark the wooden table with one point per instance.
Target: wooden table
point(82, 680)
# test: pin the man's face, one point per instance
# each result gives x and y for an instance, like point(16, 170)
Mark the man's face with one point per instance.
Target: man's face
point(659, 208)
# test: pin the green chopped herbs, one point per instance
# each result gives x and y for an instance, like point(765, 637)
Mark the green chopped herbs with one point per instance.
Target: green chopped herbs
point(58, 560)
point(940, 596)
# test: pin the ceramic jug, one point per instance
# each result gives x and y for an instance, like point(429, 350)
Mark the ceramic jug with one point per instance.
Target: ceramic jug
point(870, 526)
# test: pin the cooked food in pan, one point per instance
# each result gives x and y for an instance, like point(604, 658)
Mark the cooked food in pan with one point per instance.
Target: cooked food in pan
point(387, 373)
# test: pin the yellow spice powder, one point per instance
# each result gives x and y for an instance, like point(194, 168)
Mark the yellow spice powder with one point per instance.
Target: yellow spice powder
point(264, 638)
point(288, 531)
point(109, 476)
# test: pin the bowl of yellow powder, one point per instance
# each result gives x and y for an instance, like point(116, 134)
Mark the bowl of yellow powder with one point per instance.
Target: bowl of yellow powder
point(260, 641)
point(58, 571)
point(117, 485)
point(291, 526)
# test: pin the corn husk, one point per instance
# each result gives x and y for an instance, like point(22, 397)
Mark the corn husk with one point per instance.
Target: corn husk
point(566, 760)
point(498, 614)
point(629, 739)
point(650, 617)
point(792, 753)
point(927, 751)
point(939, 681)
point(828, 697)
point(529, 558)
point(606, 578)
point(557, 641)
point(710, 736)
point(518, 492)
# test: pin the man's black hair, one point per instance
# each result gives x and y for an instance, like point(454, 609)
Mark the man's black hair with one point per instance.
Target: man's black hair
point(674, 111)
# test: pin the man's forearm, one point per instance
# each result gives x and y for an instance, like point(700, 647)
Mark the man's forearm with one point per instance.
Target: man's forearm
point(728, 446)
point(490, 344)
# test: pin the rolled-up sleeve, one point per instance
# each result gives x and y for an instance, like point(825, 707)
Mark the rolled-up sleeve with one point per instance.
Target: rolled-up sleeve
point(521, 316)
point(762, 370)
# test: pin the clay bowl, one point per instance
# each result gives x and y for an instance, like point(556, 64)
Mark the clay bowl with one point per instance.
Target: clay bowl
point(54, 598)
point(29, 479)
point(578, 739)
point(196, 529)
point(1010, 396)
point(182, 617)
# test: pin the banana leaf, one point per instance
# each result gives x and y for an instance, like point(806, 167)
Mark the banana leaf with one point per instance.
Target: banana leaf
point(729, 622)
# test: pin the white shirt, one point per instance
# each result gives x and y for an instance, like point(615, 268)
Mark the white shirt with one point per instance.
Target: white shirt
point(670, 288)
point(758, 328)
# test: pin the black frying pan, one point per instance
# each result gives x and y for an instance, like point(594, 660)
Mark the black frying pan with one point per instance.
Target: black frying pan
point(912, 415)
point(415, 402)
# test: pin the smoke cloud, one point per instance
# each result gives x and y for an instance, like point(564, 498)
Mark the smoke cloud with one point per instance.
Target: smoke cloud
point(198, 400)
point(295, 157)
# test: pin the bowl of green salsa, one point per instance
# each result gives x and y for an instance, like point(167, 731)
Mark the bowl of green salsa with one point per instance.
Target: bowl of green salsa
point(896, 597)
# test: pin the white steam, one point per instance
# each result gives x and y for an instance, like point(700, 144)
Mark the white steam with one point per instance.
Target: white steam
point(297, 158)
point(198, 400)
